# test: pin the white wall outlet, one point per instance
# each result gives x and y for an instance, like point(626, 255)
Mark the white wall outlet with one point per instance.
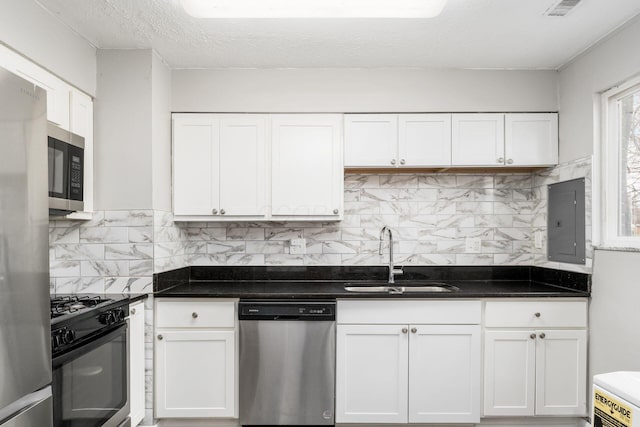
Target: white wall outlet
point(473, 245)
point(298, 246)
point(537, 237)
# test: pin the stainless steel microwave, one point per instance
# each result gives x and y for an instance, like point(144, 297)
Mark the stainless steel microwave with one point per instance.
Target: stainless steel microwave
point(66, 171)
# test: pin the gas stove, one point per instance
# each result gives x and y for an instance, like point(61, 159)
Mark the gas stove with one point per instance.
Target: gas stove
point(76, 319)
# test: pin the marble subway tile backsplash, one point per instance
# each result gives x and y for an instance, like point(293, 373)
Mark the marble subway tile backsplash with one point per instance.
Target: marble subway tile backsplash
point(115, 252)
point(431, 216)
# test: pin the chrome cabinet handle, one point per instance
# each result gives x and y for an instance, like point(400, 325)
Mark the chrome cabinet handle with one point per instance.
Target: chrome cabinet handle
point(537, 314)
point(393, 161)
point(532, 336)
point(510, 161)
point(500, 159)
point(335, 211)
point(160, 337)
point(405, 330)
point(133, 311)
point(543, 335)
point(222, 212)
point(402, 161)
point(194, 315)
point(214, 211)
point(414, 330)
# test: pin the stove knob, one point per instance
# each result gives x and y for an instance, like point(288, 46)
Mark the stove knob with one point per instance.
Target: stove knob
point(56, 340)
point(68, 336)
point(106, 318)
point(119, 314)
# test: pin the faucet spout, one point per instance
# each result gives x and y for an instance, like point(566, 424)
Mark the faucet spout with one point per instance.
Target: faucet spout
point(392, 271)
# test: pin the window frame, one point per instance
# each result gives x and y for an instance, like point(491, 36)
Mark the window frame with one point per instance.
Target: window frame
point(609, 150)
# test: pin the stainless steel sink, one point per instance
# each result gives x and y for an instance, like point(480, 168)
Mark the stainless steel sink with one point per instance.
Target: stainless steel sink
point(400, 288)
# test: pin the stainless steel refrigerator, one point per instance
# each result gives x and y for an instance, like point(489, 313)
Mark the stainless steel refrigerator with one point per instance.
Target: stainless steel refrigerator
point(25, 350)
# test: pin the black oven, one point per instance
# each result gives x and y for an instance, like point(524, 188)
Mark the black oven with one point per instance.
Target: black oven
point(91, 369)
point(66, 171)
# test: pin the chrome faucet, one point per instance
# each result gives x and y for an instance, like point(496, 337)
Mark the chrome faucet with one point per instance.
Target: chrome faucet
point(392, 271)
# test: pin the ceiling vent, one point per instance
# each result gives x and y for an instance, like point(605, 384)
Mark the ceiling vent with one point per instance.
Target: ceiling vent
point(562, 7)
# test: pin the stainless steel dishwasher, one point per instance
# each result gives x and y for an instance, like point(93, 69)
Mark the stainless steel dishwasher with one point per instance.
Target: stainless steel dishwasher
point(287, 362)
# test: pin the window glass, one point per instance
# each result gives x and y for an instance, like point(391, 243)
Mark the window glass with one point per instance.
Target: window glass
point(629, 164)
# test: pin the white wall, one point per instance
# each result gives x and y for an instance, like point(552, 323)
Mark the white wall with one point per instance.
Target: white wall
point(123, 116)
point(614, 318)
point(161, 134)
point(614, 60)
point(362, 90)
point(35, 33)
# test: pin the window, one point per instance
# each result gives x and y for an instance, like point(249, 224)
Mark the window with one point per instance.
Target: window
point(621, 174)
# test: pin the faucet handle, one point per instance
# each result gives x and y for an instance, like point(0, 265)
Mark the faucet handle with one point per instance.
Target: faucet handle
point(398, 270)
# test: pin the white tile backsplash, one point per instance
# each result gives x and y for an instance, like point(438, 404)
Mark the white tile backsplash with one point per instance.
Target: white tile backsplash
point(430, 215)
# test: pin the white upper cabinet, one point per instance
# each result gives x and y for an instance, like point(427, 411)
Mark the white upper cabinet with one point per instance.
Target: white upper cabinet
point(477, 139)
point(306, 166)
point(57, 90)
point(219, 165)
point(221, 171)
point(512, 139)
point(424, 140)
point(371, 140)
point(81, 123)
point(67, 108)
point(531, 139)
point(196, 176)
point(397, 140)
point(242, 165)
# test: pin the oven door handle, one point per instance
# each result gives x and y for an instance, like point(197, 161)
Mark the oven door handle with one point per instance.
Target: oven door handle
point(90, 346)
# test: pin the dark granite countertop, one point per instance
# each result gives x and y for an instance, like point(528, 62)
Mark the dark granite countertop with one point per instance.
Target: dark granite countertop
point(329, 282)
point(319, 290)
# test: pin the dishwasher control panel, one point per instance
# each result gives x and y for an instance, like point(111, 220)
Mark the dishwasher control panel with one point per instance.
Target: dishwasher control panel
point(287, 310)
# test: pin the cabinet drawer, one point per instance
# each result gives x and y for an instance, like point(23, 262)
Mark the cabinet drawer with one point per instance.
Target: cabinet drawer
point(195, 314)
point(535, 314)
point(441, 312)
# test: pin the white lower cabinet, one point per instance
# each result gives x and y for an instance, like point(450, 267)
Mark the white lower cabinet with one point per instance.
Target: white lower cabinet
point(444, 374)
point(371, 371)
point(195, 359)
point(421, 371)
point(535, 359)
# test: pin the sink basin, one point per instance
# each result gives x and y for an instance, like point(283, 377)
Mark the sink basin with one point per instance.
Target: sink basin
point(400, 288)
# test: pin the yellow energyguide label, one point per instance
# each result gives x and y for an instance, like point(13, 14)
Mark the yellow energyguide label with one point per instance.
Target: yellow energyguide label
point(609, 412)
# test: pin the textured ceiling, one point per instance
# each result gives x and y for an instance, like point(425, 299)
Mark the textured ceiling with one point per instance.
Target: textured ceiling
point(504, 34)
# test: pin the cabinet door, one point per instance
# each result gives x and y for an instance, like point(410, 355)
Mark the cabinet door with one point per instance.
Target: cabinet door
point(561, 372)
point(444, 374)
point(81, 123)
point(371, 140)
point(371, 374)
point(136, 362)
point(477, 139)
point(307, 169)
point(424, 139)
point(195, 374)
point(57, 90)
point(196, 175)
point(509, 373)
point(531, 139)
point(242, 165)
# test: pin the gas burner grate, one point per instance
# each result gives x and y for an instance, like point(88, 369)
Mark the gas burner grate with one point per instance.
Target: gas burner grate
point(62, 305)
